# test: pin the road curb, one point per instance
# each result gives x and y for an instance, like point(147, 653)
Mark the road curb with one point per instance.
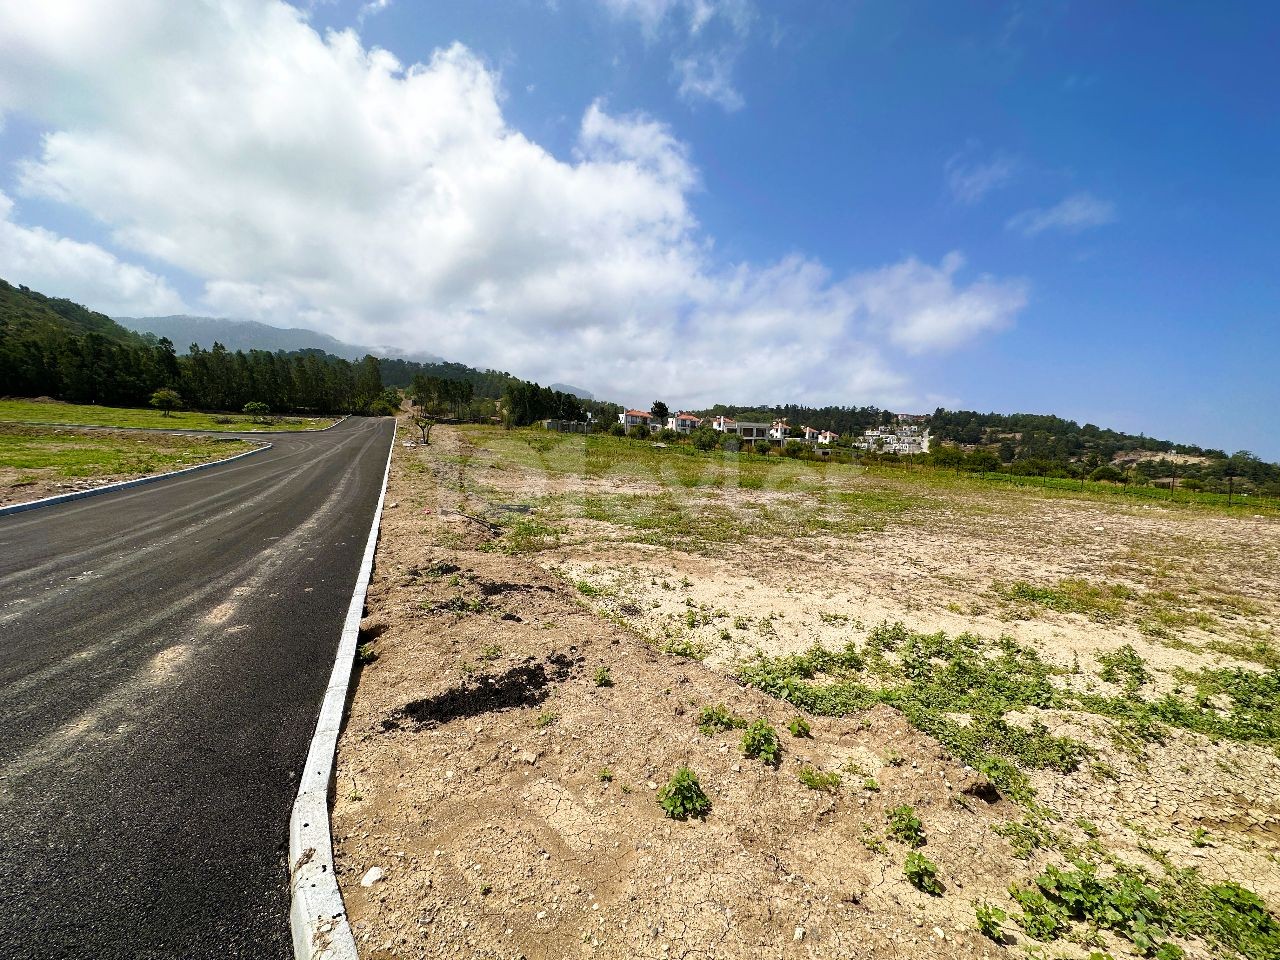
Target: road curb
point(317, 915)
point(123, 484)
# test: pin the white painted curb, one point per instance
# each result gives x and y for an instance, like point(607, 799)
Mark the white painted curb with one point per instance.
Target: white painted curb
point(318, 916)
point(123, 484)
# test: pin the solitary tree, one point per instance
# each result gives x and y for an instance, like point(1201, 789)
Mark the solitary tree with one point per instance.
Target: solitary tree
point(166, 400)
point(424, 425)
point(257, 410)
point(660, 412)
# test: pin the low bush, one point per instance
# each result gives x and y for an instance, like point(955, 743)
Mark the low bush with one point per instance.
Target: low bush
point(683, 796)
point(761, 741)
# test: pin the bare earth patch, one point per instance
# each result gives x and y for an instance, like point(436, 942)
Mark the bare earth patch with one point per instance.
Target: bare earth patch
point(544, 632)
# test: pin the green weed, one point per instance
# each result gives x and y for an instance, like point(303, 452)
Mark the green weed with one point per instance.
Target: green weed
point(683, 796)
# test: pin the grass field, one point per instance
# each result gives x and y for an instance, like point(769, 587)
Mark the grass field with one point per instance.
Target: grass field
point(45, 411)
point(38, 461)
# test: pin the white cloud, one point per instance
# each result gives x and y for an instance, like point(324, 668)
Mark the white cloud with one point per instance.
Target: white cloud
point(970, 178)
point(82, 272)
point(307, 179)
point(1077, 212)
point(709, 77)
point(921, 308)
point(693, 15)
point(710, 35)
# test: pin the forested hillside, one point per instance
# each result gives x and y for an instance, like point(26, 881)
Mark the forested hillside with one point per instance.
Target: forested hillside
point(56, 348)
point(1043, 444)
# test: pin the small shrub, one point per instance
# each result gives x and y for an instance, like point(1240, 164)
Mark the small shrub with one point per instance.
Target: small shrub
point(816, 779)
point(366, 654)
point(905, 826)
point(1124, 665)
point(605, 775)
point(547, 719)
point(799, 727)
point(602, 678)
point(990, 919)
point(871, 785)
point(714, 719)
point(761, 741)
point(587, 589)
point(683, 797)
point(922, 873)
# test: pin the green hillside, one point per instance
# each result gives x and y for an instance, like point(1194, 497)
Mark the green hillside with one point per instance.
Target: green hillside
point(26, 314)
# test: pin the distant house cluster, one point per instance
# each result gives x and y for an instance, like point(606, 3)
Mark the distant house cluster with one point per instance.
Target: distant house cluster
point(906, 435)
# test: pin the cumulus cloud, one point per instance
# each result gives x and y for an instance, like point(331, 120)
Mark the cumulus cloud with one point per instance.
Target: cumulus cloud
point(82, 272)
point(921, 307)
point(306, 178)
point(1074, 214)
point(970, 177)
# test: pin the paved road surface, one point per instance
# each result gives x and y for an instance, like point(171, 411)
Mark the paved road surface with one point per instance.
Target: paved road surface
point(163, 654)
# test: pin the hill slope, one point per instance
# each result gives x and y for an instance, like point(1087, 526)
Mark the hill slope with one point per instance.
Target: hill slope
point(26, 314)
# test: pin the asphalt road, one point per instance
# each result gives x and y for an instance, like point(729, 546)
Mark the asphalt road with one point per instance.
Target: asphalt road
point(163, 654)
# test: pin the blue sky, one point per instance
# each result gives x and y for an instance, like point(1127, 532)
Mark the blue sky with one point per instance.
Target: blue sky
point(1056, 207)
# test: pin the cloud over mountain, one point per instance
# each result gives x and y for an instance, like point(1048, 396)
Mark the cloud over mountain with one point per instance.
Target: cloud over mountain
point(310, 178)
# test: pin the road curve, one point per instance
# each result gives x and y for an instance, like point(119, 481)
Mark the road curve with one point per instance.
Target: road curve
point(163, 654)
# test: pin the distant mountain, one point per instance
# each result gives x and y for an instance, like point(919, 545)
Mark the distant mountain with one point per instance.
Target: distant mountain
point(575, 391)
point(251, 335)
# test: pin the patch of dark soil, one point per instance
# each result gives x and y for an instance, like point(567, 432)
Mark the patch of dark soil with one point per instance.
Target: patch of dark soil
point(525, 685)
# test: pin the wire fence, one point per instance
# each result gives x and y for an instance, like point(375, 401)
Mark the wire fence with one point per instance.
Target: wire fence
point(1234, 500)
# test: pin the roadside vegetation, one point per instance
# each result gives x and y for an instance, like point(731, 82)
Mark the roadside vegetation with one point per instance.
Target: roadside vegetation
point(37, 462)
point(92, 415)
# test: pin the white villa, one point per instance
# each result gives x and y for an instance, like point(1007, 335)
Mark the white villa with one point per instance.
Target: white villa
point(683, 422)
point(780, 430)
point(743, 428)
point(634, 418)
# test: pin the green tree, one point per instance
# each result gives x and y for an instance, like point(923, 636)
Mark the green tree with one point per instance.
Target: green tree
point(166, 400)
point(659, 411)
point(257, 410)
point(982, 461)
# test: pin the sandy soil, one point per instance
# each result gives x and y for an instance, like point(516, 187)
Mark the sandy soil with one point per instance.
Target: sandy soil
point(470, 769)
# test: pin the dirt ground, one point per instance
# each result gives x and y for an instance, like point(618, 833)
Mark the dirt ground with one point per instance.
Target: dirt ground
point(506, 801)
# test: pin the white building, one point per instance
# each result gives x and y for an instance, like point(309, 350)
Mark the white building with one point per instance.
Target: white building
point(683, 422)
point(780, 430)
point(634, 418)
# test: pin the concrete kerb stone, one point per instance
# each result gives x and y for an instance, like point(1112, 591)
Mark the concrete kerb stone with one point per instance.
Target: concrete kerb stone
point(317, 915)
point(124, 484)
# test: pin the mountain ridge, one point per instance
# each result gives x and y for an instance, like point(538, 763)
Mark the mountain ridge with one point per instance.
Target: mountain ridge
point(184, 329)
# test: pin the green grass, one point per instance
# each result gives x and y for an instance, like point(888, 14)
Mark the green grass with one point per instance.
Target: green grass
point(815, 779)
point(960, 689)
point(31, 411)
point(48, 454)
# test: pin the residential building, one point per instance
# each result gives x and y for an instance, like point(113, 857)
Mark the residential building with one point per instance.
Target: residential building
point(808, 435)
point(780, 430)
point(725, 424)
point(683, 422)
point(634, 418)
point(827, 437)
point(752, 431)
